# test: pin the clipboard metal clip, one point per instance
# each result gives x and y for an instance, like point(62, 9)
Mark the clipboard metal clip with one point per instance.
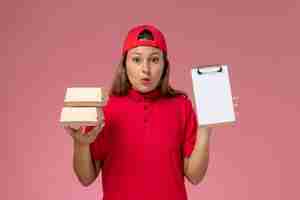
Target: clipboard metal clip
point(207, 69)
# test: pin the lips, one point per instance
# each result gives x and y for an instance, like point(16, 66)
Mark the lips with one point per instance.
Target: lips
point(146, 80)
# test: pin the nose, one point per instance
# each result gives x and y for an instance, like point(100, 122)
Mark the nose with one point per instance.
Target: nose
point(146, 67)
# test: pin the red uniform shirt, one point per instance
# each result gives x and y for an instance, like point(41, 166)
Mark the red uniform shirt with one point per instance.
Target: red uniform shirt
point(142, 146)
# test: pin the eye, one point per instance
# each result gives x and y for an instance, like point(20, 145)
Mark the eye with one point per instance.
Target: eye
point(155, 59)
point(136, 59)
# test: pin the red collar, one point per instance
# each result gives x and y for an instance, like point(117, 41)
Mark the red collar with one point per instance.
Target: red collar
point(139, 96)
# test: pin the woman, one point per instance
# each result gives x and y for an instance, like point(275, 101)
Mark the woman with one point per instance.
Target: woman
point(150, 140)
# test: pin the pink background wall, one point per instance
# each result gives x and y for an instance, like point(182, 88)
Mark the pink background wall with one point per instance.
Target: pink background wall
point(47, 46)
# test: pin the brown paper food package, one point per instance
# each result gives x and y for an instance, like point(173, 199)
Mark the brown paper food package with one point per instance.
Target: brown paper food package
point(85, 97)
point(76, 117)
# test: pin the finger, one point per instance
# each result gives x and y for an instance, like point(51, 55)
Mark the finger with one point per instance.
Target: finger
point(236, 106)
point(102, 126)
point(96, 131)
point(73, 134)
point(70, 132)
point(92, 136)
point(235, 101)
point(99, 114)
point(76, 130)
point(68, 129)
point(237, 114)
point(72, 129)
point(93, 131)
point(97, 127)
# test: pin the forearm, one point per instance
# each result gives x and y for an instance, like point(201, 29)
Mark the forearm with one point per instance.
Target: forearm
point(83, 164)
point(199, 159)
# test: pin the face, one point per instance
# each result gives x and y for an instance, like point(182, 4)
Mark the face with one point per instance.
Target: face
point(144, 66)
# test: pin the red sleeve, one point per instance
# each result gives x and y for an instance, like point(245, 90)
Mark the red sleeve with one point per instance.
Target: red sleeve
point(190, 128)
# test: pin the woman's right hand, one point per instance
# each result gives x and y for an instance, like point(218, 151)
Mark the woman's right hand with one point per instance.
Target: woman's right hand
point(85, 138)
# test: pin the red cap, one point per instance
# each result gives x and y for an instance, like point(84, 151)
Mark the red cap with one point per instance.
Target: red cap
point(132, 40)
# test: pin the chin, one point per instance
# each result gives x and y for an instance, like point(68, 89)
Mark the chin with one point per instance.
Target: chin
point(144, 89)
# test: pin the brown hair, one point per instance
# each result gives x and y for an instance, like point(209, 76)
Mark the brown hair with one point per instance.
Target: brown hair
point(121, 83)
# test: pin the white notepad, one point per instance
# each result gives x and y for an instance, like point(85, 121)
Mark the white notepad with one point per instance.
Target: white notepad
point(84, 96)
point(212, 93)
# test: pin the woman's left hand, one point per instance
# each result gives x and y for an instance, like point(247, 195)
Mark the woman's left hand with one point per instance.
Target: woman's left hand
point(236, 108)
point(205, 130)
